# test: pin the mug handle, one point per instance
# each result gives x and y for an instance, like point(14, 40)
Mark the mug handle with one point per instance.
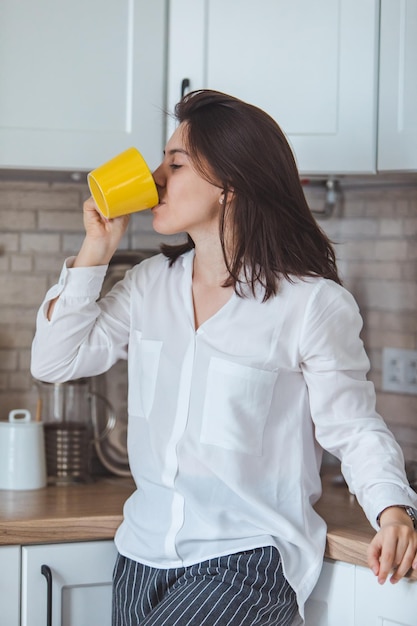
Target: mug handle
point(22, 412)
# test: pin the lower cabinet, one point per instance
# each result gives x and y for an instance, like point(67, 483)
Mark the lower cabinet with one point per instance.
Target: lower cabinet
point(67, 584)
point(331, 602)
point(70, 584)
point(384, 605)
point(349, 595)
point(10, 585)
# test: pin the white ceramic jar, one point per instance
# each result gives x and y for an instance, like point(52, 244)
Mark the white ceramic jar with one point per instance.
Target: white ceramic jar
point(22, 452)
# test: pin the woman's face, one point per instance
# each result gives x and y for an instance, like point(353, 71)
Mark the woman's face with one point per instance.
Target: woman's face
point(188, 202)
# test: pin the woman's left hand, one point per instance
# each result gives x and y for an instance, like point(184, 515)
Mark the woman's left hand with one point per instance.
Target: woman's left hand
point(394, 547)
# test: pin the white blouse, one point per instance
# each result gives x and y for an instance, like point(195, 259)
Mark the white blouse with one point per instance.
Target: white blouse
point(226, 423)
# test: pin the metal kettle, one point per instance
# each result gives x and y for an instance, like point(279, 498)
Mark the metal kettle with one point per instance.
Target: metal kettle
point(69, 414)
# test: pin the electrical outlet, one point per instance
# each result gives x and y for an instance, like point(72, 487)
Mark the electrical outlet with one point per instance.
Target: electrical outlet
point(399, 370)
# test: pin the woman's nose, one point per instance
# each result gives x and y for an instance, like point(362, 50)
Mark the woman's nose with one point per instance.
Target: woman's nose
point(159, 177)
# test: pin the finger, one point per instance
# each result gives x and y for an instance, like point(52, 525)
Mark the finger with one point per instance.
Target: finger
point(89, 204)
point(388, 559)
point(373, 554)
point(405, 562)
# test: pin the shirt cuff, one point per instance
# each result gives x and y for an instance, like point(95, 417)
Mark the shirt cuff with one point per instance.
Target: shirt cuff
point(81, 282)
point(394, 495)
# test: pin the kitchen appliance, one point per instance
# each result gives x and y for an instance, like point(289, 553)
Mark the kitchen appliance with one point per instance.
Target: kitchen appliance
point(69, 415)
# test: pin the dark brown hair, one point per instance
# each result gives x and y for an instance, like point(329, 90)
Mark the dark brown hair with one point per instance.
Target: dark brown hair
point(240, 148)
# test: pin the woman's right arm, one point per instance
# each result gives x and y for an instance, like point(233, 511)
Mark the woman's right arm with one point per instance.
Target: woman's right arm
point(74, 336)
point(101, 241)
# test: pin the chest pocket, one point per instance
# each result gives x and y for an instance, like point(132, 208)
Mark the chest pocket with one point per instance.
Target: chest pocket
point(144, 355)
point(236, 406)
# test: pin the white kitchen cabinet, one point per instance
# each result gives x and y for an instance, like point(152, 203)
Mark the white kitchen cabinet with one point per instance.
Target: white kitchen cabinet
point(397, 119)
point(331, 602)
point(10, 585)
point(80, 583)
point(384, 605)
point(349, 595)
point(342, 86)
point(311, 65)
point(80, 81)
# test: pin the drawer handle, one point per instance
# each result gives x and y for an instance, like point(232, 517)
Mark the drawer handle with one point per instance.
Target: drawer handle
point(185, 84)
point(46, 571)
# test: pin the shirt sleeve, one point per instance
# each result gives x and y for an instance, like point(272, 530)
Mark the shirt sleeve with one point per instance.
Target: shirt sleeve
point(85, 335)
point(342, 402)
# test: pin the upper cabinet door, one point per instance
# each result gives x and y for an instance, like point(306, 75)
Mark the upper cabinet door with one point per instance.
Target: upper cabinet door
point(311, 65)
point(80, 81)
point(397, 133)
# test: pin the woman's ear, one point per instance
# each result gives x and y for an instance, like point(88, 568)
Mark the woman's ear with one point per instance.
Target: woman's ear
point(229, 196)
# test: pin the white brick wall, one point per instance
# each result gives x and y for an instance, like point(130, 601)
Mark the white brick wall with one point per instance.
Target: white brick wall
point(375, 230)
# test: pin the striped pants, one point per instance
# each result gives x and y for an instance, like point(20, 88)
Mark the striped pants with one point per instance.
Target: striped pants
point(243, 589)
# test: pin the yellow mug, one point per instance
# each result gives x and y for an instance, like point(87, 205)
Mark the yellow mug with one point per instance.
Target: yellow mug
point(123, 185)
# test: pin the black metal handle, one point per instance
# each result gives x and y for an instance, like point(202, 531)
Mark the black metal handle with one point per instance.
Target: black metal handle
point(185, 83)
point(46, 571)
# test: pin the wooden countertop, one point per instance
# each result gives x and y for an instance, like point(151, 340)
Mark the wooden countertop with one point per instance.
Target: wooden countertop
point(94, 511)
point(348, 530)
point(75, 512)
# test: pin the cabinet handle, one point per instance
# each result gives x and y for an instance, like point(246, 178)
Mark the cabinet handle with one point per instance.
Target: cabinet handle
point(185, 84)
point(46, 571)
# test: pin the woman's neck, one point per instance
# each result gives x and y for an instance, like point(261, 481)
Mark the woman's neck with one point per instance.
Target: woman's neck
point(209, 266)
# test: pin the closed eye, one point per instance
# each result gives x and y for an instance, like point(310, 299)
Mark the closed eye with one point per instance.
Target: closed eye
point(175, 166)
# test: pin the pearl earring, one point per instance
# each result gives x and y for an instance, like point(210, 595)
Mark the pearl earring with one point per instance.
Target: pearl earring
point(221, 199)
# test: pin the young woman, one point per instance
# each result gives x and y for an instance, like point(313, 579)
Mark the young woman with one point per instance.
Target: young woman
point(244, 362)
